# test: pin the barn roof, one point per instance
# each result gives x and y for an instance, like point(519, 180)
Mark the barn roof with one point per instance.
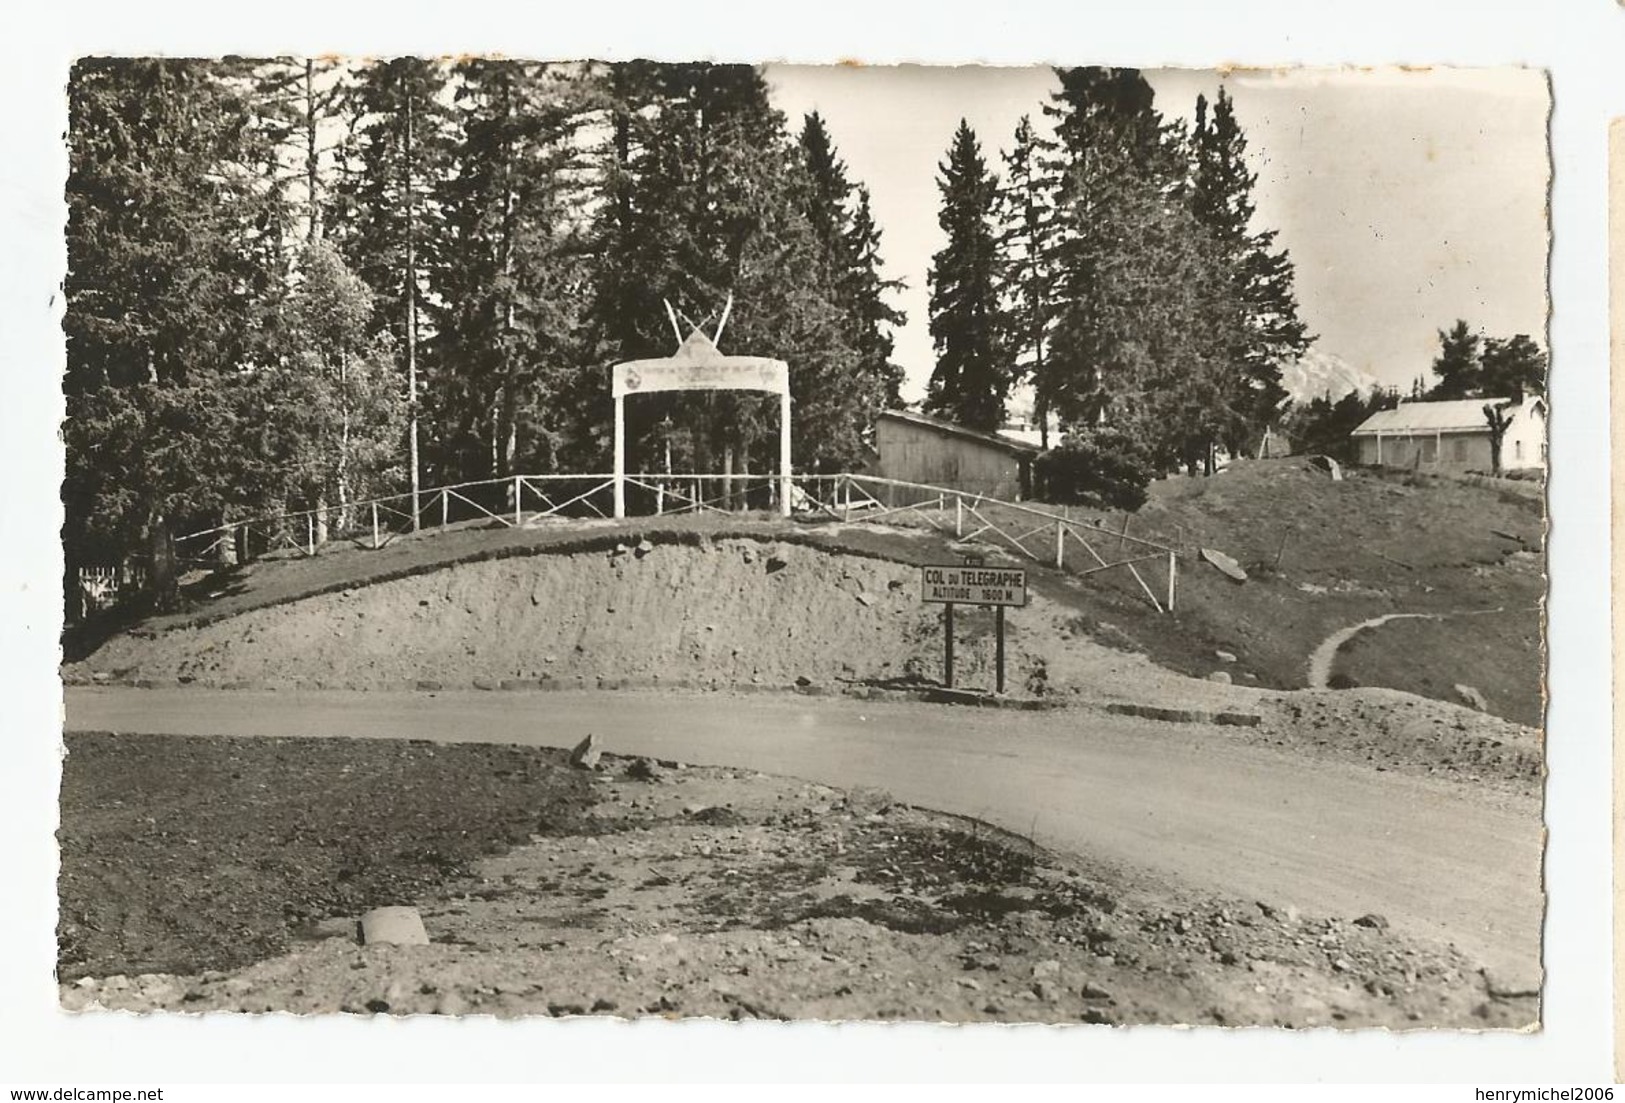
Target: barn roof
point(1454, 416)
point(948, 428)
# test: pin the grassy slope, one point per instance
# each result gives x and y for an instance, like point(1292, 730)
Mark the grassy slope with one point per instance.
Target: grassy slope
point(1346, 551)
point(1357, 549)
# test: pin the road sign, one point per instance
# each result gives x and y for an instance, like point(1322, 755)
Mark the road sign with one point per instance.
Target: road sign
point(962, 584)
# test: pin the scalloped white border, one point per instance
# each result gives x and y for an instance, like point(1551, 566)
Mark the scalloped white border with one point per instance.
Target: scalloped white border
point(1580, 42)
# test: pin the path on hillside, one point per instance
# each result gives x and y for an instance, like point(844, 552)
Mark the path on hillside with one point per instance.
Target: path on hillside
point(1320, 663)
point(1182, 801)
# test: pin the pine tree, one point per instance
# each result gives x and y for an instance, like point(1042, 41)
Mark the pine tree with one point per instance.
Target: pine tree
point(1457, 364)
point(1260, 277)
point(705, 194)
point(1323, 426)
point(383, 217)
point(1144, 323)
point(1027, 241)
point(828, 191)
point(296, 102)
point(1109, 176)
point(508, 287)
point(971, 378)
point(167, 219)
point(849, 241)
point(1117, 245)
point(873, 319)
point(1512, 368)
point(1103, 109)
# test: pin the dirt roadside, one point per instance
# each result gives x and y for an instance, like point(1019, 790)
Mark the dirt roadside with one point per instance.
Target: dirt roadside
point(697, 891)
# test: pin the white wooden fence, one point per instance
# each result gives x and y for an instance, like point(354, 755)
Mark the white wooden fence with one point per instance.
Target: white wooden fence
point(1080, 547)
point(1040, 534)
point(101, 588)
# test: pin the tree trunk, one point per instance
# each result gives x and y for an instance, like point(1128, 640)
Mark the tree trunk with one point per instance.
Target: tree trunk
point(163, 576)
point(344, 445)
point(506, 435)
point(496, 436)
point(700, 447)
point(315, 210)
point(411, 290)
point(226, 554)
point(728, 476)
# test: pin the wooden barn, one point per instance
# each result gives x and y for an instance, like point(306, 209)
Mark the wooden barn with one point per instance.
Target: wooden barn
point(1453, 436)
point(916, 448)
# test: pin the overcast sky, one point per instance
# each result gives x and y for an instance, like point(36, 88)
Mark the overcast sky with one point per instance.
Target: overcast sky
point(1406, 198)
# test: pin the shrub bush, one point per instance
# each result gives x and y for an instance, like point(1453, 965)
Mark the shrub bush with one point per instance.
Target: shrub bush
point(1103, 468)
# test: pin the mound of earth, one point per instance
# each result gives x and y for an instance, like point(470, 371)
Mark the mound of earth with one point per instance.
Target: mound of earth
point(1392, 730)
point(693, 891)
point(732, 611)
point(1321, 556)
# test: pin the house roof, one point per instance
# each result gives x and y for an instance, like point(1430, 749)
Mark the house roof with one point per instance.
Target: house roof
point(948, 428)
point(1453, 416)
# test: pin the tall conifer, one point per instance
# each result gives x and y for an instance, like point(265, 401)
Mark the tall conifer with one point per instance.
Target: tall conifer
point(972, 378)
point(1260, 277)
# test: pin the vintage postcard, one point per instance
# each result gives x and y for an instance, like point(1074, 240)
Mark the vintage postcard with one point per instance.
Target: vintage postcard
point(911, 544)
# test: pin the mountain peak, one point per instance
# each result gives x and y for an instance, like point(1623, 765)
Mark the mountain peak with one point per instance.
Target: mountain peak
point(1318, 374)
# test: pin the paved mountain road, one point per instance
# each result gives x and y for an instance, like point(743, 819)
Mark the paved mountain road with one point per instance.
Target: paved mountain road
point(1184, 802)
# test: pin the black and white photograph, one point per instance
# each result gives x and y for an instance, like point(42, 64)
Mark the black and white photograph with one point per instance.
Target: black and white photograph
point(884, 543)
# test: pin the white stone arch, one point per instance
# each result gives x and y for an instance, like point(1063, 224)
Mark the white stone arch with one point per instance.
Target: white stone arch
point(697, 365)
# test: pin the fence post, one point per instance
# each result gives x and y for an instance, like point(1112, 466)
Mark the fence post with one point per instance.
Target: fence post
point(375, 526)
point(1060, 544)
point(959, 517)
point(1173, 575)
point(310, 532)
point(517, 480)
point(445, 508)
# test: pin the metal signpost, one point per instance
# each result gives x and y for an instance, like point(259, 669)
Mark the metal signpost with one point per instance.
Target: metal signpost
point(970, 584)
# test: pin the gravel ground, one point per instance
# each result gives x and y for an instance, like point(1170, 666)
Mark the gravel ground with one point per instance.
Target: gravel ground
point(687, 891)
point(1390, 730)
point(183, 853)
